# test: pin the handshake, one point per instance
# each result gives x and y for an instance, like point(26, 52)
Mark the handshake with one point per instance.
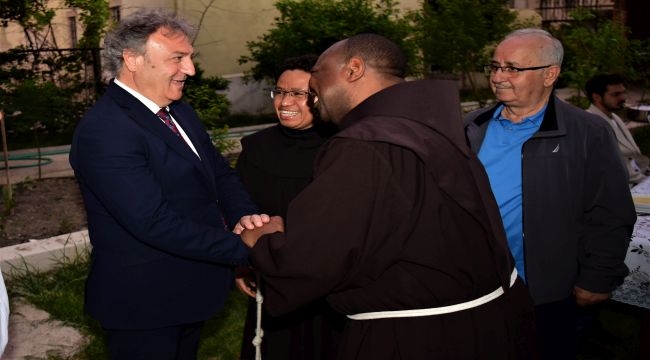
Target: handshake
point(252, 227)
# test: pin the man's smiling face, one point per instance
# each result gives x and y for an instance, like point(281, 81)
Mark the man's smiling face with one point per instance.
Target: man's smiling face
point(160, 72)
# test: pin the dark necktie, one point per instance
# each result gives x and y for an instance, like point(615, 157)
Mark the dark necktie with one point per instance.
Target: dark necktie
point(166, 117)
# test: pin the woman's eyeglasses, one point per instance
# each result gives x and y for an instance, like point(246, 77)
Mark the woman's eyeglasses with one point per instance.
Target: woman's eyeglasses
point(298, 95)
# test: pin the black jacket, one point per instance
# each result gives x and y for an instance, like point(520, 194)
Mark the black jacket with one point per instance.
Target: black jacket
point(578, 213)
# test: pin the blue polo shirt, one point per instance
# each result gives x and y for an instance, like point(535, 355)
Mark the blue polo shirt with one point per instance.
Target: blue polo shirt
point(501, 154)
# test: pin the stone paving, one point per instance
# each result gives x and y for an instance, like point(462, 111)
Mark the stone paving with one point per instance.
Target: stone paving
point(34, 335)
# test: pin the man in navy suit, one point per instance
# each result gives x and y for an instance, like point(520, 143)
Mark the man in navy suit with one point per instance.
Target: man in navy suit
point(164, 207)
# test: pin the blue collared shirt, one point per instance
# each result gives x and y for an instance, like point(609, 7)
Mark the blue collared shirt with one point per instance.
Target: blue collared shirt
point(500, 154)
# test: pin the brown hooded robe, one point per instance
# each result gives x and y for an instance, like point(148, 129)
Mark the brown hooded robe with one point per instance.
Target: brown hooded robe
point(400, 216)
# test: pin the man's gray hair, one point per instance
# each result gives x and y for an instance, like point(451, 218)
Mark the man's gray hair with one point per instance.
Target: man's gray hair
point(551, 55)
point(133, 31)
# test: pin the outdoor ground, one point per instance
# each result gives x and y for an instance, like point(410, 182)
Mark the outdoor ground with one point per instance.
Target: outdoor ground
point(42, 209)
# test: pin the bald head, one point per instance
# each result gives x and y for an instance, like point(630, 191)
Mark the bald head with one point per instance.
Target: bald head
point(548, 49)
point(354, 69)
point(524, 69)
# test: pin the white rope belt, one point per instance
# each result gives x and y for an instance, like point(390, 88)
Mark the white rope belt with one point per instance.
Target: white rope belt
point(437, 310)
point(259, 333)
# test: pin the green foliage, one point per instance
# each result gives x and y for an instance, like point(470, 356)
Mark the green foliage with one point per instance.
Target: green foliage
point(12, 10)
point(41, 106)
point(311, 26)
point(453, 34)
point(32, 14)
point(640, 66)
point(579, 101)
point(65, 226)
point(43, 84)
point(219, 137)
point(58, 291)
point(203, 94)
point(225, 144)
point(35, 15)
point(8, 202)
point(94, 15)
point(594, 44)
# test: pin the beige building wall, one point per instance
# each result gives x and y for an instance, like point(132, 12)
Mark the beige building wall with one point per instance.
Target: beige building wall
point(225, 29)
point(10, 36)
point(60, 35)
point(525, 4)
point(228, 25)
point(225, 26)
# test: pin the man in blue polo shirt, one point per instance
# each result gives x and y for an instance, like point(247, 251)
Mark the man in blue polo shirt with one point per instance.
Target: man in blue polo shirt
point(560, 185)
point(501, 156)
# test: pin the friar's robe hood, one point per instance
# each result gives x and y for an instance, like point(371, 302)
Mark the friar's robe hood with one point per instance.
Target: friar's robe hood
point(425, 117)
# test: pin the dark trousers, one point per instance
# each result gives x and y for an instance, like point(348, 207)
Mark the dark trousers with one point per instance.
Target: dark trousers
point(169, 343)
point(556, 329)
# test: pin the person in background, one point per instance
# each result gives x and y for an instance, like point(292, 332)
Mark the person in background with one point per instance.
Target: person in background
point(607, 94)
point(560, 185)
point(275, 164)
point(398, 229)
point(161, 202)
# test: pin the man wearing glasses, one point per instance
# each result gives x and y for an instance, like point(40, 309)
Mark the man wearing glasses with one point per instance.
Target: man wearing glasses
point(275, 165)
point(560, 185)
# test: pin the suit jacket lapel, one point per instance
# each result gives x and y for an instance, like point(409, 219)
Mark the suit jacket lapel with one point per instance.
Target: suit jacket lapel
point(141, 115)
point(193, 134)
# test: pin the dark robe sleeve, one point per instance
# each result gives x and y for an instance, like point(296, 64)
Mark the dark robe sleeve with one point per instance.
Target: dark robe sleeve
point(335, 227)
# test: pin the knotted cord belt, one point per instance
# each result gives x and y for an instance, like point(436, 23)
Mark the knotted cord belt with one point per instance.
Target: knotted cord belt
point(259, 333)
point(437, 310)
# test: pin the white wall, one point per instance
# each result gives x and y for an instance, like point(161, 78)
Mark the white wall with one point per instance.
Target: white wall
point(248, 98)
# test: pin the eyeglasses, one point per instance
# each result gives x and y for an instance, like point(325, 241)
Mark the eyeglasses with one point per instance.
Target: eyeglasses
point(298, 95)
point(509, 70)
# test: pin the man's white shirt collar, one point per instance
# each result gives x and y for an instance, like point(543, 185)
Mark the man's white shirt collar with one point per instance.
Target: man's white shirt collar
point(143, 99)
point(155, 108)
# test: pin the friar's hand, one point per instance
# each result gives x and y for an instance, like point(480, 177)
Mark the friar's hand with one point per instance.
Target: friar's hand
point(251, 222)
point(250, 236)
point(586, 297)
point(245, 280)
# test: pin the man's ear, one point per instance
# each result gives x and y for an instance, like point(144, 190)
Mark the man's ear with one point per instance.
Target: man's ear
point(131, 59)
point(597, 98)
point(551, 75)
point(355, 68)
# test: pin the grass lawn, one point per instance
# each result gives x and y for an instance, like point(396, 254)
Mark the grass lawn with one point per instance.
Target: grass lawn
point(60, 292)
